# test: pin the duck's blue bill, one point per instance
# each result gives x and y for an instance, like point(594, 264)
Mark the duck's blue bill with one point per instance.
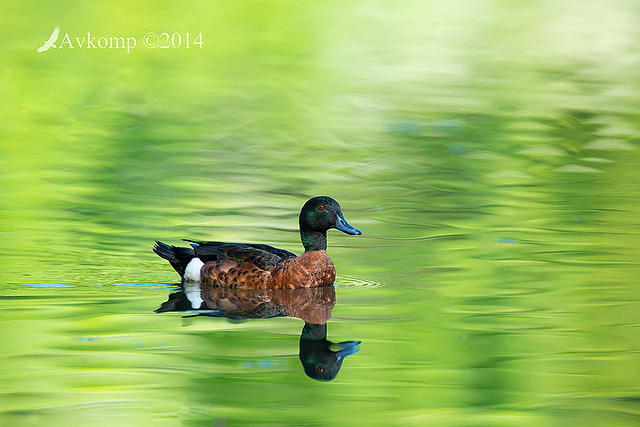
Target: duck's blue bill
point(343, 225)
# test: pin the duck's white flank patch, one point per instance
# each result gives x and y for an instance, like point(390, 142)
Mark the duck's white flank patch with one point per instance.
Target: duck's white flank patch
point(194, 294)
point(192, 271)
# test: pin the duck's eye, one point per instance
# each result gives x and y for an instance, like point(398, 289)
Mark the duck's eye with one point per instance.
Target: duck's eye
point(320, 369)
point(320, 207)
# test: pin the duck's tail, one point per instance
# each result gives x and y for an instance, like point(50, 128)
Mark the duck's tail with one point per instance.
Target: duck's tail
point(178, 257)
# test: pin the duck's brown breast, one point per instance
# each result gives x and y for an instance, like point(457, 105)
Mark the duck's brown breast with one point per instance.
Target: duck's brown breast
point(308, 270)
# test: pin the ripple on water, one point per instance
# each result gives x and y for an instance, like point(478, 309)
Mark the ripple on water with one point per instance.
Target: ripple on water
point(162, 286)
point(354, 281)
point(47, 285)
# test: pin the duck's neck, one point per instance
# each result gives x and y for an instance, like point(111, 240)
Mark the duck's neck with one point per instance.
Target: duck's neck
point(314, 240)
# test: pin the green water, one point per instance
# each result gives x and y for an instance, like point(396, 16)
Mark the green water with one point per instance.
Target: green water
point(488, 151)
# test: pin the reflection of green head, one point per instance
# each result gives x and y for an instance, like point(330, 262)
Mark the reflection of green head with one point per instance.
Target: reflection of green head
point(322, 359)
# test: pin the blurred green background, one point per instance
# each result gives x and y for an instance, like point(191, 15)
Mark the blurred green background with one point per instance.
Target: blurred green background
point(487, 149)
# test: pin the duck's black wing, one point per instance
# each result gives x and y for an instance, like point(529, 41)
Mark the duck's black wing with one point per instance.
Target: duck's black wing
point(263, 256)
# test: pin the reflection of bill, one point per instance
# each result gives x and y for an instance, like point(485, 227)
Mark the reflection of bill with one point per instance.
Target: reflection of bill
point(50, 43)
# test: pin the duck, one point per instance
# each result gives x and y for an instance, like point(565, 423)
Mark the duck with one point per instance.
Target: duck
point(261, 266)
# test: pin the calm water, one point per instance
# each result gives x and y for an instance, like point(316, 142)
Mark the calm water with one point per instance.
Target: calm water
point(488, 152)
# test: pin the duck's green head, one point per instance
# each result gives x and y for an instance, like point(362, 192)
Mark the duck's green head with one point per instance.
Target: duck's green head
point(318, 215)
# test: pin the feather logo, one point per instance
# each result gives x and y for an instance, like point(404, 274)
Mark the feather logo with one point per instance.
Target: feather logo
point(50, 43)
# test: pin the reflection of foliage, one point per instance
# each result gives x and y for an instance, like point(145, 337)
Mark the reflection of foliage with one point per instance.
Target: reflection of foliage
point(573, 130)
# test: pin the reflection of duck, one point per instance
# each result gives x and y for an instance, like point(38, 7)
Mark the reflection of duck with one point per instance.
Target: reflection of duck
point(257, 266)
point(312, 305)
point(320, 358)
